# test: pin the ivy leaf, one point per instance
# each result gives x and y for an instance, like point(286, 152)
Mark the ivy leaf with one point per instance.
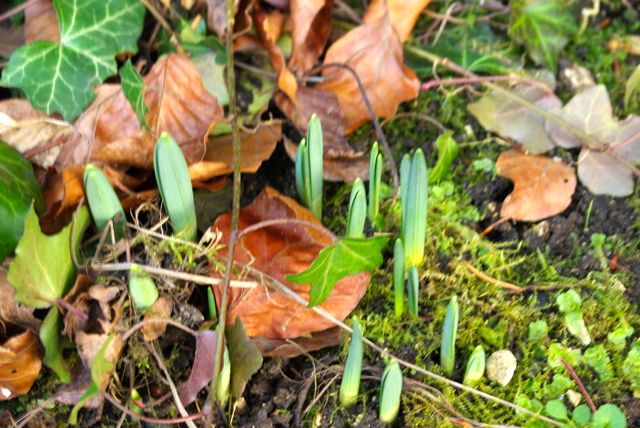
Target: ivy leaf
point(50, 338)
point(60, 76)
point(246, 358)
point(19, 191)
point(43, 268)
point(133, 89)
point(543, 27)
point(347, 256)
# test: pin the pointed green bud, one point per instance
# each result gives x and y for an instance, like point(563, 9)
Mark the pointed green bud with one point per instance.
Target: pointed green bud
point(309, 179)
point(353, 368)
point(103, 201)
point(413, 289)
point(390, 392)
point(174, 184)
point(398, 277)
point(142, 289)
point(357, 210)
point(375, 181)
point(449, 333)
point(475, 366)
point(224, 380)
point(415, 211)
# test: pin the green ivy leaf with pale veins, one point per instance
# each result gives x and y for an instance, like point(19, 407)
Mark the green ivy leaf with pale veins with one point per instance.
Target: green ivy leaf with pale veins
point(347, 256)
point(19, 191)
point(60, 76)
point(43, 269)
point(543, 27)
point(133, 88)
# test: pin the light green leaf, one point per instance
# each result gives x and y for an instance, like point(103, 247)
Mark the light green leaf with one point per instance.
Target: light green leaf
point(581, 415)
point(609, 416)
point(19, 191)
point(543, 27)
point(244, 355)
point(50, 338)
point(598, 359)
point(43, 269)
point(632, 87)
point(447, 152)
point(133, 88)
point(347, 256)
point(60, 76)
point(557, 410)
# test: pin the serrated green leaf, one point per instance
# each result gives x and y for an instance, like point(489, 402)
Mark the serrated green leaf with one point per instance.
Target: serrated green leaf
point(133, 89)
point(50, 338)
point(20, 191)
point(60, 76)
point(43, 269)
point(347, 256)
point(244, 355)
point(543, 27)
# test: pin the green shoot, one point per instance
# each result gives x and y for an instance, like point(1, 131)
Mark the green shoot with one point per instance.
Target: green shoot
point(309, 168)
point(475, 366)
point(413, 286)
point(353, 367)
point(142, 289)
point(449, 332)
point(357, 210)
point(398, 277)
point(413, 190)
point(390, 392)
point(103, 201)
point(375, 180)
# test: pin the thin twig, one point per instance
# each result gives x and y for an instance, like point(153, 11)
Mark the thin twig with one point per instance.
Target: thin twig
point(135, 416)
point(351, 14)
point(483, 276)
point(284, 221)
point(11, 12)
point(580, 385)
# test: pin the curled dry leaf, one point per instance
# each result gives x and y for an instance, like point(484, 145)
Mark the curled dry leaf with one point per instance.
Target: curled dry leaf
point(161, 309)
point(20, 363)
point(12, 312)
point(27, 129)
point(279, 251)
point(402, 13)
point(374, 51)
point(178, 102)
point(311, 22)
point(40, 22)
point(509, 119)
point(542, 186)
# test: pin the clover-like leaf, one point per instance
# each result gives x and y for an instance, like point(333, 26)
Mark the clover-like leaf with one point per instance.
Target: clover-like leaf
point(43, 269)
point(543, 26)
point(60, 76)
point(347, 256)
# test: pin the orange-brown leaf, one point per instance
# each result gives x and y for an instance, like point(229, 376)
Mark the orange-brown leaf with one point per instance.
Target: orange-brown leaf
point(543, 186)
point(402, 13)
point(40, 22)
point(20, 363)
point(374, 51)
point(311, 21)
point(279, 251)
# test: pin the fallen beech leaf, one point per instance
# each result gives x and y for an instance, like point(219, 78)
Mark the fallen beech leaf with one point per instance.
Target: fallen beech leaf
point(402, 13)
point(25, 129)
point(509, 119)
point(178, 102)
point(602, 168)
point(161, 309)
point(311, 24)
point(203, 365)
point(40, 22)
point(19, 365)
point(244, 355)
point(12, 312)
point(255, 148)
point(292, 347)
point(542, 186)
point(279, 251)
point(374, 51)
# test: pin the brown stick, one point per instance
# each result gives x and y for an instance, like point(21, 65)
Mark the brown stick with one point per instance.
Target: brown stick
point(578, 382)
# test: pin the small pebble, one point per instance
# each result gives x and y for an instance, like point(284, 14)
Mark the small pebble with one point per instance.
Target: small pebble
point(500, 366)
point(574, 397)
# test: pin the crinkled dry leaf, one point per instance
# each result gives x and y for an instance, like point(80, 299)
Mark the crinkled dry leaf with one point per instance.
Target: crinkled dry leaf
point(542, 186)
point(12, 312)
point(20, 365)
point(279, 251)
point(402, 13)
point(161, 309)
point(255, 148)
point(202, 368)
point(40, 22)
point(89, 345)
point(311, 24)
point(509, 119)
point(374, 51)
point(27, 129)
point(178, 103)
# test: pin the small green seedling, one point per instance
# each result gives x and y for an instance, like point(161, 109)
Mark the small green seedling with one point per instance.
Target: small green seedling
point(447, 152)
point(375, 181)
point(449, 333)
point(142, 289)
point(390, 392)
point(224, 381)
point(357, 210)
point(475, 366)
point(569, 304)
point(413, 288)
point(103, 201)
point(309, 168)
point(413, 192)
point(350, 385)
point(174, 184)
point(618, 337)
point(398, 278)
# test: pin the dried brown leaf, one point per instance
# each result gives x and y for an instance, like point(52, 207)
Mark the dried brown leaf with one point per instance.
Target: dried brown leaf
point(40, 22)
point(20, 363)
point(203, 366)
point(402, 13)
point(161, 309)
point(542, 186)
point(311, 24)
point(12, 312)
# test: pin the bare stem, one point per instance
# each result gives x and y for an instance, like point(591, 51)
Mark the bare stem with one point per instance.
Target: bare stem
point(580, 385)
